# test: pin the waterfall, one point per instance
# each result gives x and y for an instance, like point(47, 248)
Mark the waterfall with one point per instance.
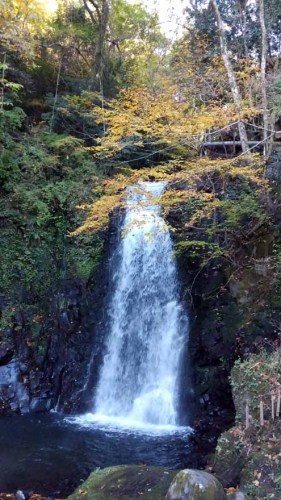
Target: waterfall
point(139, 378)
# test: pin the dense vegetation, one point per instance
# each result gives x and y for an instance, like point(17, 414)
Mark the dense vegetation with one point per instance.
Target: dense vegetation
point(48, 126)
point(94, 98)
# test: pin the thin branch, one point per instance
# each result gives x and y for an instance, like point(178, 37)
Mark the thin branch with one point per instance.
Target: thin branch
point(56, 95)
point(90, 12)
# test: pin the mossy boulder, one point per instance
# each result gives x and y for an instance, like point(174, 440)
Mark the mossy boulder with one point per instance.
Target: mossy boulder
point(192, 484)
point(126, 482)
point(228, 460)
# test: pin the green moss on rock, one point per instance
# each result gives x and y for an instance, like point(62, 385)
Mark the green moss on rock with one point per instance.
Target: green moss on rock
point(228, 460)
point(126, 482)
point(192, 484)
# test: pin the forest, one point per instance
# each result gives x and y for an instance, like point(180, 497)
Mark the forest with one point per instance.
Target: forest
point(95, 97)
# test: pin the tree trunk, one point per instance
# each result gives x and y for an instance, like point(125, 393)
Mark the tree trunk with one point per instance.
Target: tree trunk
point(241, 8)
point(100, 46)
point(98, 11)
point(264, 47)
point(231, 76)
point(3, 82)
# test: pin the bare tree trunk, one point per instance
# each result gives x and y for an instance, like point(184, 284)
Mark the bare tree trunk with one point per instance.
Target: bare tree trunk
point(231, 75)
point(264, 48)
point(3, 81)
point(273, 114)
point(241, 7)
point(56, 94)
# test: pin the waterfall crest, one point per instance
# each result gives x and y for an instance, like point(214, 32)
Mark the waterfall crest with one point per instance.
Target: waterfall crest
point(139, 378)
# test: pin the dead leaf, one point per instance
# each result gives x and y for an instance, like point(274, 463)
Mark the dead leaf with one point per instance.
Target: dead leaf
point(231, 490)
point(257, 474)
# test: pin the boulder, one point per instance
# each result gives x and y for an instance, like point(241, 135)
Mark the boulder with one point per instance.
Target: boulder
point(238, 495)
point(126, 482)
point(228, 460)
point(14, 397)
point(190, 484)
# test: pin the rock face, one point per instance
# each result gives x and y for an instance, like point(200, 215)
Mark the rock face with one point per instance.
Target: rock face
point(273, 169)
point(35, 375)
point(192, 484)
point(126, 482)
point(13, 393)
point(48, 368)
point(228, 460)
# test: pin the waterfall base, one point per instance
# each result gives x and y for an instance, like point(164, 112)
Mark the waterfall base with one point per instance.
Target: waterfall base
point(126, 425)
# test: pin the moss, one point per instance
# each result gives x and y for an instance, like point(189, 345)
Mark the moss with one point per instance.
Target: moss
point(38, 211)
point(126, 482)
point(84, 254)
point(195, 484)
point(228, 460)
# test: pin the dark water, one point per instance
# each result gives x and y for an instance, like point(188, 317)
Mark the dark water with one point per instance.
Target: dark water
point(48, 455)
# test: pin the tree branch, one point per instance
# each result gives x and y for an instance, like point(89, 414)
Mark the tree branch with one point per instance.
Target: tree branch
point(90, 12)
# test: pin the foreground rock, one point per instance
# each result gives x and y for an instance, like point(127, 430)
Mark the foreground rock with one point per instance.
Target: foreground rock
point(132, 482)
point(126, 482)
point(192, 484)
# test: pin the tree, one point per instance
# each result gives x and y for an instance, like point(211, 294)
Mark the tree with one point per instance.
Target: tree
point(231, 76)
point(264, 51)
point(145, 125)
point(136, 43)
point(98, 11)
point(20, 24)
point(126, 44)
point(198, 72)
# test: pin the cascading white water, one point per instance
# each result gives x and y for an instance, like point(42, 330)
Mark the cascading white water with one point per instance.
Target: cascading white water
point(139, 379)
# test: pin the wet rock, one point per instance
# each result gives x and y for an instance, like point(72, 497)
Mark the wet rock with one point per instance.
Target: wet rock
point(126, 482)
point(64, 320)
point(192, 484)
point(228, 461)
point(13, 394)
point(6, 353)
point(238, 495)
point(34, 381)
point(39, 405)
point(19, 495)
point(53, 353)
